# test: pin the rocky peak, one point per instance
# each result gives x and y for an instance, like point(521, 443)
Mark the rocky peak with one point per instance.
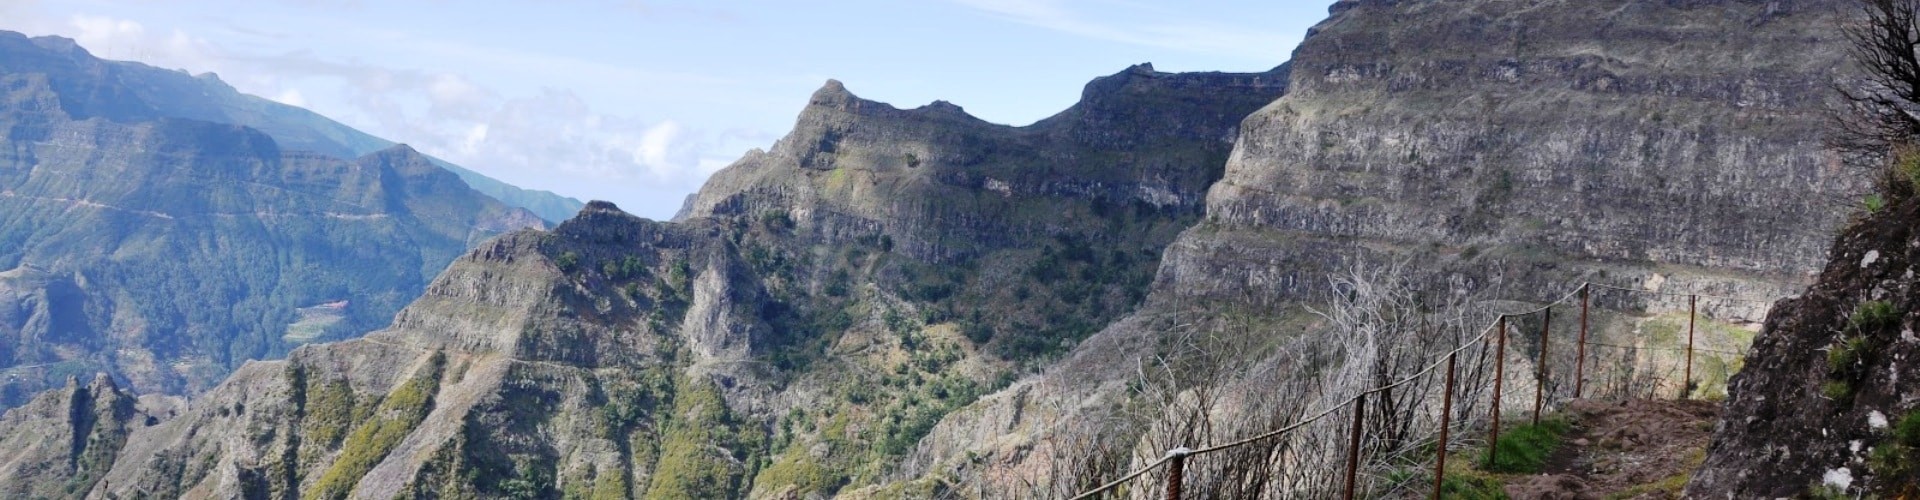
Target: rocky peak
point(65, 437)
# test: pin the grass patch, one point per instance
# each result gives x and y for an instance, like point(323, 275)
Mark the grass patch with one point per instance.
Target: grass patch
point(1841, 357)
point(1471, 485)
point(1874, 203)
point(1873, 315)
point(1899, 460)
point(1836, 389)
point(1525, 449)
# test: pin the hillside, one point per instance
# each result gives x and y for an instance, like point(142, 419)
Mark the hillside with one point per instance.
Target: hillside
point(168, 251)
point(126, 92)
point(1673, 146)
point(825, 303)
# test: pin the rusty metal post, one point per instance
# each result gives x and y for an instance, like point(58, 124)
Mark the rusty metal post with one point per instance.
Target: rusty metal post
point(1176, 473)
point(1580, 365)
point(1353, 444)
point(1686, 385)
point(1499, 374)
point(1540, 368)
point(1446, 418)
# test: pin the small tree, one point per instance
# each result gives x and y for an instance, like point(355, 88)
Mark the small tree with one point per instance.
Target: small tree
point(1880, 119)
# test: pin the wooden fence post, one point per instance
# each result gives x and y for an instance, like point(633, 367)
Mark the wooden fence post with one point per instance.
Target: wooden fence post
point(1686, 385)
point(1499, 373)
point(1580, 365)
point(1353, 444)
point(1540, 368)
point(1446, 417)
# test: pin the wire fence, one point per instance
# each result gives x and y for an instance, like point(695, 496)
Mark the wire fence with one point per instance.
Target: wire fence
point(1523, 349)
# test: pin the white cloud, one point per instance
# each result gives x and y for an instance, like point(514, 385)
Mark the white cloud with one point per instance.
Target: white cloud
point(475, 137)
point(291, 97)
point(654, 144)
point(105, 33)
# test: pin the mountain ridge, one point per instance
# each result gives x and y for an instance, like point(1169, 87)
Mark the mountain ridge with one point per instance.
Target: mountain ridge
point(131, 91)
point(814, 262)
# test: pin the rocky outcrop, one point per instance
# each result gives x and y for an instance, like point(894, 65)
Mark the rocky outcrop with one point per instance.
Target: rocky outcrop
point(65, 439)
point(1826, 403)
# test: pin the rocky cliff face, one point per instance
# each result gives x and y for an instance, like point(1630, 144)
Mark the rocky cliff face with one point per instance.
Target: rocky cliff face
point(1514, 148)
point(1822, 406)
point(64, 440)
point(168, 251)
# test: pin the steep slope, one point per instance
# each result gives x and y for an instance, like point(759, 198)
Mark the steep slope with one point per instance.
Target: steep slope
point(131, 92)
point(825, 303)
point(64, 440)
point(1511, 149)
point(1822, 407)
point(168, 251)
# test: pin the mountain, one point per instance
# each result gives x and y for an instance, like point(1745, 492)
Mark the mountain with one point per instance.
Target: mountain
point(824, 303)
point(129, 92)
point(908, 303)
point(1507, 150)
point(167, 251)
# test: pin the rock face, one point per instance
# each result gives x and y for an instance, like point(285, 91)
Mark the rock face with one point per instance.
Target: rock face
point(1826, 403)
point(816, 310)
point(1518, 148)
point(65, 439)
point(88, 87)
point(168, 251)
point(947, 186)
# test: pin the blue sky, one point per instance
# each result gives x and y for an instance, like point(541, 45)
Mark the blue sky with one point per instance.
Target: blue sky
point(637, 101)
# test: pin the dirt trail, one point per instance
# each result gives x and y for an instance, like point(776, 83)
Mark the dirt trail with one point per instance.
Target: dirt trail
point(1639, 449)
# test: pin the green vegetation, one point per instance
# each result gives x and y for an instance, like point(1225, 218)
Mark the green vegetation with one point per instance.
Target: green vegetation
point(396, 417)
point(1524, 450)
point(1874, 315)
point(1842, 358)
point(1874, 203)
point(1906, 168)
point(1465, 484)
point(1848, 358)
point(1836, 389)
point(1898, 460)
point(703, 448)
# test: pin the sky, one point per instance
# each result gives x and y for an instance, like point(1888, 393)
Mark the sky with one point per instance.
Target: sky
point(638, 101)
